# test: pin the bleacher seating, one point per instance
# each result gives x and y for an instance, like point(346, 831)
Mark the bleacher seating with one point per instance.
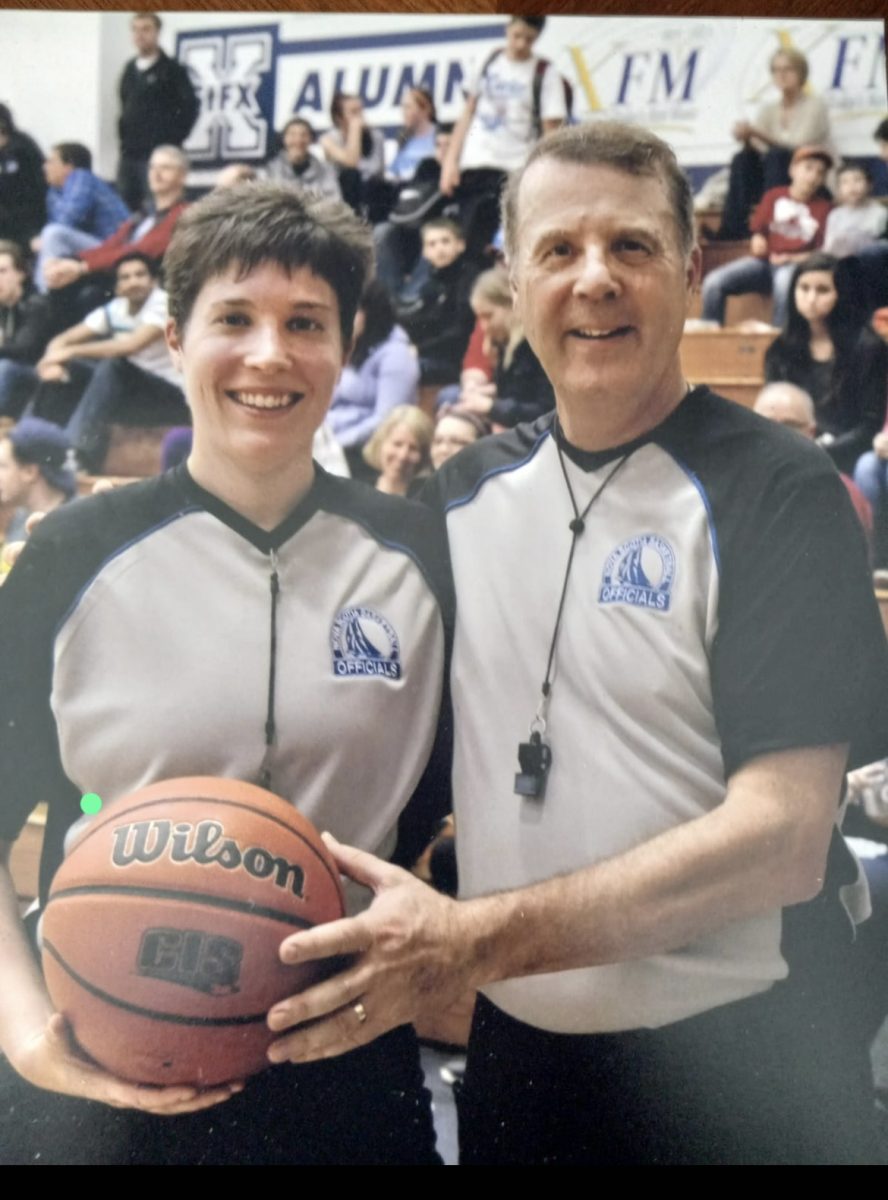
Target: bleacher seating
point(730, 361)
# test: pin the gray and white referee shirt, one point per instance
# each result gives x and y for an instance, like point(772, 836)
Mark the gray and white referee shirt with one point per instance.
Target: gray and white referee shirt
point(719, 608)
point(136, 645)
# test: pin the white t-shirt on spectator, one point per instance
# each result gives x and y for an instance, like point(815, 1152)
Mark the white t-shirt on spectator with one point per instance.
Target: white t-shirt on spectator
point(115, 318)
point(503, 130)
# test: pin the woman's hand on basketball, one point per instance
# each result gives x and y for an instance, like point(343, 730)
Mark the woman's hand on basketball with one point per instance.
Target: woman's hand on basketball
point(406, 960)
point(50, 1061)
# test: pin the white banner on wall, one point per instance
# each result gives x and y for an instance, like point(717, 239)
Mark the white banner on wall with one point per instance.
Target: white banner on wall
point(689, 79)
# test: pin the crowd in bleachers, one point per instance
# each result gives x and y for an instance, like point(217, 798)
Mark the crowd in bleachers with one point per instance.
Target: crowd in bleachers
point(83, 308)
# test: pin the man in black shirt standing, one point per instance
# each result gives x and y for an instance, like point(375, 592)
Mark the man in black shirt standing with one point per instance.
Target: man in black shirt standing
point(158, 106)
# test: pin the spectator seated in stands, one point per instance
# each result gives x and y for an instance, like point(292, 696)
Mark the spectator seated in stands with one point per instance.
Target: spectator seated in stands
point(786, 226)
point(874, 258)
point(797, 119)
point(24, 330)
point(382, 373)
point(146, 233)
point(511, 100)
point(35, 472)
point(792, 406)
point(399, 262)
point(455, 429)
point(828, 348)
point(22, 186)
point(357, 152)
point(82, 210)
point(520, 390)
point(440, 321)
point(857, 220)
point(399, 450)
point(298, 166)
point(416, 141)
point(114, 365)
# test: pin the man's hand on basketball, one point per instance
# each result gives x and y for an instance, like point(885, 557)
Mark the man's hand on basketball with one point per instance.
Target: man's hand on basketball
point(50, 1061)
point(407, 958)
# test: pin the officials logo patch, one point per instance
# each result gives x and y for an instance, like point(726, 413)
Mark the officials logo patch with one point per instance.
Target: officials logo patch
point(640, 573)
point(364, 643)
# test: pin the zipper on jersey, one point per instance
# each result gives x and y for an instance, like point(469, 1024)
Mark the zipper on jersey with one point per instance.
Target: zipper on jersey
point(270, 728)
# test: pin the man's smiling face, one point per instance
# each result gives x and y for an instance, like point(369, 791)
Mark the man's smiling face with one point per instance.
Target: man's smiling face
point(601, 283)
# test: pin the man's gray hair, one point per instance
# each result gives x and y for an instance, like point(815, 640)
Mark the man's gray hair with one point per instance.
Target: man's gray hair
point(177, 153)
point(624, 147)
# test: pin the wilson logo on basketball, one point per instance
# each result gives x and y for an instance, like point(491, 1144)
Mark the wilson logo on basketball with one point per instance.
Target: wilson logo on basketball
point(205, 844)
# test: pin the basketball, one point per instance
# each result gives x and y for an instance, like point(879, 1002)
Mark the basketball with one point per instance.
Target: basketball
point(163, 925)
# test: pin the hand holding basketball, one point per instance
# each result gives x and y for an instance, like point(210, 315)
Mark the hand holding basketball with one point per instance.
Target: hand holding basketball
point(407, 960)
point(49, 1061)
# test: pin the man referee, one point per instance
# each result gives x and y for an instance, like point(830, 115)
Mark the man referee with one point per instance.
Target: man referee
point(667, 646)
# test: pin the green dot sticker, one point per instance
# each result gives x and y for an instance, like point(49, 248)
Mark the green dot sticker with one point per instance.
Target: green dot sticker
point(91, 803)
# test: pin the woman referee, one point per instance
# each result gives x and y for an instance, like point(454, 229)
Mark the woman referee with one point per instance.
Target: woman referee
point(215, 621)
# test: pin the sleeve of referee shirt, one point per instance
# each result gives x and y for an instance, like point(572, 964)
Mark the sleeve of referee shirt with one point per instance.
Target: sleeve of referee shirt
point(800, 657)
point(32, 602)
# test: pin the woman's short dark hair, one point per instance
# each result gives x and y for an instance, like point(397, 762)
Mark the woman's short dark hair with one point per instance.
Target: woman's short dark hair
point(379, 321)
point(255, 223)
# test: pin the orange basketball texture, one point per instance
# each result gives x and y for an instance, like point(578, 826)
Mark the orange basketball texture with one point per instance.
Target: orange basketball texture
point(163, 924)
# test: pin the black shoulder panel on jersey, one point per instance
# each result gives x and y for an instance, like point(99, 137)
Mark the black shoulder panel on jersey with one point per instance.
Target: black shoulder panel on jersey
point(74, 541)
point(65, 553)
point(800, 656)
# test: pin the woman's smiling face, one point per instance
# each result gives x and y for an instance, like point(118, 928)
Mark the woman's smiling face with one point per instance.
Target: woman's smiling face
point(260, 356)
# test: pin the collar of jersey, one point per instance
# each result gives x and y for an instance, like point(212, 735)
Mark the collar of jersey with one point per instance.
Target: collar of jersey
point(263, 539)
point(593, 460)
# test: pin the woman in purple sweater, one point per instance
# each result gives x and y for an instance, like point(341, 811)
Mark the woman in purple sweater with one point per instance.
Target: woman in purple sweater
point(382, 373)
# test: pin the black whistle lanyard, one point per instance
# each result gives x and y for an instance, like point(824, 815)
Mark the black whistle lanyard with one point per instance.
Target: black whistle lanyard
point(535, 755)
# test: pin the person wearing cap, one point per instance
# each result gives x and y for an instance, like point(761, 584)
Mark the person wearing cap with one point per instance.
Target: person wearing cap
point(35, 473)
point(788, 223)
